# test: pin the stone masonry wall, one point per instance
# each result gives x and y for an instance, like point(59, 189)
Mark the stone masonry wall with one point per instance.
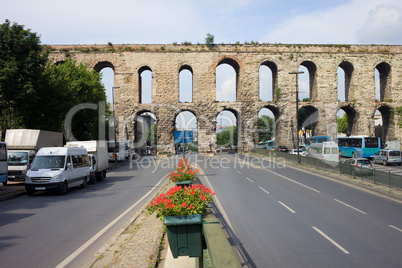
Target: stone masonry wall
point(165, 62)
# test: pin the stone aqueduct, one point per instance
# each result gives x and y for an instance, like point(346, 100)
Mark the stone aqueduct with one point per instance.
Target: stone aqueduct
point(322, 61)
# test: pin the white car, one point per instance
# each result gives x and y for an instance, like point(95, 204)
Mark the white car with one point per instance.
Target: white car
point(301, 152)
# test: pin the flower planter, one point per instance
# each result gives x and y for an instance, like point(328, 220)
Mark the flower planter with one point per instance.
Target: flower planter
point(184, 235)
point(184, 183)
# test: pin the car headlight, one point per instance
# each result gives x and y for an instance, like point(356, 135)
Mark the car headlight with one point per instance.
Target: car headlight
point(57, 177)
point(27, 179)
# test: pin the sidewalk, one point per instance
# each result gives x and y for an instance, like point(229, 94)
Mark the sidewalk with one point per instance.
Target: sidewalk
point(11, 190)
point(142, 244)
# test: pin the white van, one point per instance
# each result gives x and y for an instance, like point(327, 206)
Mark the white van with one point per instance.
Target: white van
point(57, 169)
point(327, 150)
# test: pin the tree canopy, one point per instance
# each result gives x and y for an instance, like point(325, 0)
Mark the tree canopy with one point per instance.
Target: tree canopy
point(36, 93)
point(266, 127)
point(228, 137)
point(22, 61)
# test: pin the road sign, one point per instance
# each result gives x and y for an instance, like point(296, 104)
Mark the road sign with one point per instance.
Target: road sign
point(188, 136)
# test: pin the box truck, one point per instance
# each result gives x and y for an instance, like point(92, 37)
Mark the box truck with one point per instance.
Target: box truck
point(98, 157)
point(23, 144)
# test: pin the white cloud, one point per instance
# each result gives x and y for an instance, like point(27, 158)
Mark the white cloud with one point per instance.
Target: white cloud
point(340, 24)
point(383, 25)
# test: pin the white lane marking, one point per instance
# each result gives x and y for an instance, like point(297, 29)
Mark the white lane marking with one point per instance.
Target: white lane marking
point(264, 190)
point(277, 174)
point(330, 240)
point(288, 208)
point(350, 206)
point(107, 227)
point(396, 228)
point(238, 172)
point(215, 198)
point(249, 179)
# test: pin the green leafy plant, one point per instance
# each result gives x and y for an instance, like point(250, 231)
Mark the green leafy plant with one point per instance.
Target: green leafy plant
point(209, 40)
point(178, 201)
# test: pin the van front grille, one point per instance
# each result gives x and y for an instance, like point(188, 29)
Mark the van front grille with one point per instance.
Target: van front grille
point(41, 179)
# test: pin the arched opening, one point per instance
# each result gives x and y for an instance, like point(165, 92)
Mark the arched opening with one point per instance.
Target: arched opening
point(145, 133)
point(306, 81)
point(382, 121)
point(344, 73)
point(267, 80)
point(306, 126)
point(345, 119)
point(186, 84)
point(382, 81)
point(226, 80)
point(186, 122)
point(108, 81)
point(145, 84)
point(226, 130)
point(266, 127)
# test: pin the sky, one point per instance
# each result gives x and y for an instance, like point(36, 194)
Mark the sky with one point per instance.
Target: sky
point(177, 21)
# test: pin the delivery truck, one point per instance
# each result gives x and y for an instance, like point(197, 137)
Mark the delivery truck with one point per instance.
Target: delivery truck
point(23, 144)
point(98, 157)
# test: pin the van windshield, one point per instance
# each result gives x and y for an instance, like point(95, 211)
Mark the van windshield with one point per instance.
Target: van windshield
point(48, 162)
point(17, 158)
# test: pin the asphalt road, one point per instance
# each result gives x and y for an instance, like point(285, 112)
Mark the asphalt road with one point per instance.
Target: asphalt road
point(45, 229)
point(285, 217)
point(277, 216)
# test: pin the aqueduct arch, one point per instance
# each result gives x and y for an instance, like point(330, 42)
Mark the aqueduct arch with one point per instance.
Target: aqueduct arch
point(322, 61)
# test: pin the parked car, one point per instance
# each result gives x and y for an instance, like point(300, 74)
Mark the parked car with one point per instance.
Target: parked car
point(282, 149)
point(301, 152)
point(360, 166)
point(386, 157)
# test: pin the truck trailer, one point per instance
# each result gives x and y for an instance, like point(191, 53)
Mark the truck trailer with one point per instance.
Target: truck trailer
point(23, 144)
point(98, 157)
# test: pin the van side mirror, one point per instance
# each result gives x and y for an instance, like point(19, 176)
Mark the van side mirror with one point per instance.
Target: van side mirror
point(68, 166)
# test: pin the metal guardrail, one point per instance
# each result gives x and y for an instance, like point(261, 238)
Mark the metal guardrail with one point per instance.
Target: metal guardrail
point(380, 177)
point(218, 252)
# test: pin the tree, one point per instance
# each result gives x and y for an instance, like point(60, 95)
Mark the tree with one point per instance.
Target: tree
point(209, 40)
point(151, 135)
point(342, 124)
point(64, 86)
point(228, 137)
point(22, 61)
point(265, 128)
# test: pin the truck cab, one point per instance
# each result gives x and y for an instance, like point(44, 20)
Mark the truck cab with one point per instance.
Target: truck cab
point(18, 163)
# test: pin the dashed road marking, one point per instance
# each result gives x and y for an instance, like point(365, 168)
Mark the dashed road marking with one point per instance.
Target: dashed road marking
point(288, 208)
point(250, 180)
point(396, 228)
point(264, 190)
point(350, 206)
point(330, 240)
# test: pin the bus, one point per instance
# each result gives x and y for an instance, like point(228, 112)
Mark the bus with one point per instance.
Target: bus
point(315, 139)
point(358, 146)
point(3, 163)
point(327, 150)
point(270, 145)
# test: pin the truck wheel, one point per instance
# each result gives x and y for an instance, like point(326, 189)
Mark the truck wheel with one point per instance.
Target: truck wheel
point(93, 179)
point(84, 182)
point(5, 183)
point(102, 175)
point(63, 188)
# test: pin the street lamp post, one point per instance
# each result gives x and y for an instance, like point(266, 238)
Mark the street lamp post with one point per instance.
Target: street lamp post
point(114, 126)
point(297, 113)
